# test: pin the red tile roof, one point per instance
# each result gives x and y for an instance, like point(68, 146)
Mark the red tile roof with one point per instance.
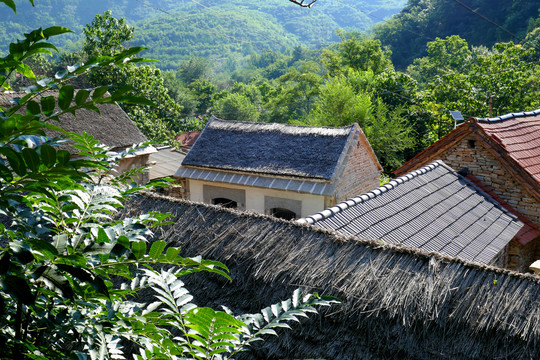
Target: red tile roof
point(519, 136)
point(188, 138)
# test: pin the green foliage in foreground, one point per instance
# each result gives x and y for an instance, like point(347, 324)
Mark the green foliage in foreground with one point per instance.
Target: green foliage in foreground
point(62, 251)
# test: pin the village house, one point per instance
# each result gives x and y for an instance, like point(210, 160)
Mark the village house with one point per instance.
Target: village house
point(502, 154)
point(433, 208)
point(397, 302)
point(111, 127)
point(282, 170)
point(164, 163)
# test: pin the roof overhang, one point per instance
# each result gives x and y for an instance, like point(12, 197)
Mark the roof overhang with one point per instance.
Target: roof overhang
point(308, 186)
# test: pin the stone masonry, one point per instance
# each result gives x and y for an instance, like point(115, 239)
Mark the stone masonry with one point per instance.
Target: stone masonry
point(471, 154)
point(360, 175)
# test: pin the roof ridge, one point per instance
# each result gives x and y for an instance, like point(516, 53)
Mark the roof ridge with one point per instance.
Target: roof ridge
point(280, 125)
point(343, 238)
point(325, 214)
point(509, 116)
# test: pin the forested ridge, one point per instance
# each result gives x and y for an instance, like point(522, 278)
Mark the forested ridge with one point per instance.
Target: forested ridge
point(265, 63)
point(480, 22)
point(221, 28)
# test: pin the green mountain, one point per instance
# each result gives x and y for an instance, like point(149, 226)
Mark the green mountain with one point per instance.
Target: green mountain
point(480, 22)
point(173, 30)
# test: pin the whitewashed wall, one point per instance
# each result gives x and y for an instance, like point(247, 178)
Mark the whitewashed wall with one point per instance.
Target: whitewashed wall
point(311, 204)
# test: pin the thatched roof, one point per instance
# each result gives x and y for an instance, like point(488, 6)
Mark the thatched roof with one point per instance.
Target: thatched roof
point(398, 302)
point(433, 208)
point(111, 127)
point(271, 149)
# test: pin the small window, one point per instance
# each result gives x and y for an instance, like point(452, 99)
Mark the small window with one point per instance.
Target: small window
point(472, 144)
point(228, 203)
point(283, 213)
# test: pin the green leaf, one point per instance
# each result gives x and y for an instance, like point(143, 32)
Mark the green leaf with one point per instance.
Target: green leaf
point(65, 96)
point(5, 173)
point(137, 100)
point(31, 159)
point(58, 282)
point(18, 289)
point(15, 160)
point(102, 236)
point(43, 246)
point(139, 249)
point(48, 155)
point(47, 105)
point(26, 71)
point(60, 242)
point(33, 108)
point(99, 92)
point(156, 249)
point(55, 30)
point(63, 157)
point(172, 253)
point(11, 4)
point(81, 97)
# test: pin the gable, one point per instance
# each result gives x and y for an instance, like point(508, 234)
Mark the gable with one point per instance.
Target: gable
point(270, 149)
point(517, 136)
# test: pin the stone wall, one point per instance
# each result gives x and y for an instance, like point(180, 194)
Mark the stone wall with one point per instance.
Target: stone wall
point(471, 154)
point(360, 174)
point(133, 162)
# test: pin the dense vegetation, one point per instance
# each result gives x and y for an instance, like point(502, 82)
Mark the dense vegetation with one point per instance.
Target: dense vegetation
point(421, 21)
point(70, 273)
point(354, 80)
point(174, 30)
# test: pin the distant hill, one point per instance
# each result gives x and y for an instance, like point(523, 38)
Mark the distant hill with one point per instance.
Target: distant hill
point(423, 20)
point(176, 29)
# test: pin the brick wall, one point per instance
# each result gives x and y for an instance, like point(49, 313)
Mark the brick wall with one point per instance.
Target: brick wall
point(470, 153)
point(360, 174)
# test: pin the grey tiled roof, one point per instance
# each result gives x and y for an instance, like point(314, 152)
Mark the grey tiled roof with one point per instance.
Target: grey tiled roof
point(270, 149)
point(300, 185)
point(165, 162)
point(433, 208)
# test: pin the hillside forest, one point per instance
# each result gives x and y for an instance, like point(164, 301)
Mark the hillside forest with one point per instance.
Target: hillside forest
point(398, 79)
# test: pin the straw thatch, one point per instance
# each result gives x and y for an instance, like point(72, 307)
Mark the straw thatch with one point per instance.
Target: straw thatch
point(111, 126)
point(272, 149)
point(397, 302)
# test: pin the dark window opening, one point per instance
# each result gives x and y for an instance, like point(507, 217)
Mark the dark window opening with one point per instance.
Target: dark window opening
point(283, 213)
point(228, 203)
point(472, 144)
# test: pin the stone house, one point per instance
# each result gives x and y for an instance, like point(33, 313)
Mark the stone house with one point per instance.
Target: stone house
point(111, 127)
point(503, 154)
point(282, 170)
point(435, 209)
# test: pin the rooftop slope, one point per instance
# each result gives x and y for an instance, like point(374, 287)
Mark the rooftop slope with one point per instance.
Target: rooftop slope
point(397, 302)
point(271, 149)
point(433, 208)
point(518, 134)
point(111, 126)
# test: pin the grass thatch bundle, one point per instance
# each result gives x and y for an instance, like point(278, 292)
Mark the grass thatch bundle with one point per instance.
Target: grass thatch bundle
point(397, 302)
